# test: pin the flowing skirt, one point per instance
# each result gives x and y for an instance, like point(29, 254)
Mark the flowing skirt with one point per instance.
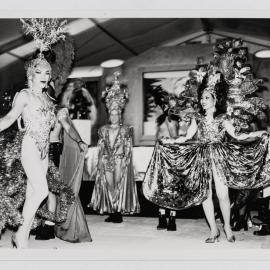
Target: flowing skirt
point(178, 175)
point(75, 228)
point(123, 198)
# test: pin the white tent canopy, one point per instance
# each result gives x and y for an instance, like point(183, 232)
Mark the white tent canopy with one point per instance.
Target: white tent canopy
point(97, 40)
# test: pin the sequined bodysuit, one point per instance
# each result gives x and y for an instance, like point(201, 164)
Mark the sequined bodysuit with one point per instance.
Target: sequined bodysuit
point(39, 119)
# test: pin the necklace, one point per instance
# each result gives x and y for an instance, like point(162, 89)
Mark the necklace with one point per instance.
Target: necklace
point(114, 127)
point(35, 93)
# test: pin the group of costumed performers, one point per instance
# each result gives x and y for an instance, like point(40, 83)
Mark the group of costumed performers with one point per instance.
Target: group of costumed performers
point(115, 190)
point(217, 141)
point(220, 148)
point(28, 175)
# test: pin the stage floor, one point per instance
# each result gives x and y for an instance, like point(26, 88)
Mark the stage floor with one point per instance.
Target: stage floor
point(137, 239)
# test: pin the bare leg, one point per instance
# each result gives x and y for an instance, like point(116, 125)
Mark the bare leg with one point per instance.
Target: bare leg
point(51, 203)
point(36, 177)
point(208, 208)
point(224, 202)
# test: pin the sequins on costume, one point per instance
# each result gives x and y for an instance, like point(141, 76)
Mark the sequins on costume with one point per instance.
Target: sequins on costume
point(115, 161)
point(39, 119)
point(12, 176)
point(178, 174)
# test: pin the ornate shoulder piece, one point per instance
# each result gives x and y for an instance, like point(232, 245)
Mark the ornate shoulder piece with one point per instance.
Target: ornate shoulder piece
point(101, 131)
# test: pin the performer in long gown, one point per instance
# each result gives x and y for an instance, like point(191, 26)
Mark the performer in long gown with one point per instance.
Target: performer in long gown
point(75, 228)
point(180, 174)
point(115, 188)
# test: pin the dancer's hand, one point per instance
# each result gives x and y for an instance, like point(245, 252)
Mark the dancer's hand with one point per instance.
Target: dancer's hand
point(180, 140)
point(260, 133)
point(167, 140)
point(83, 146)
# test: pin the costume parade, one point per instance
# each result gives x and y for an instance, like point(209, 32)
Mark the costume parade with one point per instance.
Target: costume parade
point(208, 143)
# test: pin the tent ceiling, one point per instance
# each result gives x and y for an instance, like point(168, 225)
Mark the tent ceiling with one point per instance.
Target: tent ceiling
point(97, 40)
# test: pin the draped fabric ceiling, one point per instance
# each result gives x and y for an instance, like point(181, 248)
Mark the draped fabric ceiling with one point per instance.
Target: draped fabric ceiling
point(97, 40)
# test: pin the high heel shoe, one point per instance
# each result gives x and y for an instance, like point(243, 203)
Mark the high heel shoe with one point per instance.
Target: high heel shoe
point(230, 239)
point(213, 239)
point(13, 241)
point(16, 244)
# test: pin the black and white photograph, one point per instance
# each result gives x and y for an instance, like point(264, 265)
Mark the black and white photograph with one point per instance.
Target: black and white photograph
point(135, 137)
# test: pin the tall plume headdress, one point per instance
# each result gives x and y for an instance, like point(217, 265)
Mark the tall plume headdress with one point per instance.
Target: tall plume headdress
point(45, 32)
point(213, 78)
point(243, 106)
point(115, 96)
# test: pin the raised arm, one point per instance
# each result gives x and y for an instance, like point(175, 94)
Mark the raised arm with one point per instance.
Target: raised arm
point(242, 137)
point(20, 101)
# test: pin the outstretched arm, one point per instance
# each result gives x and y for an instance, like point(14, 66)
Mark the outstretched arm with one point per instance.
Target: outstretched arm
point(242, 137)
point(20, 101)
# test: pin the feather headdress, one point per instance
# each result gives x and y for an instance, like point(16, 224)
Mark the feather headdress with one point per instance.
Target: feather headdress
point(45, 32)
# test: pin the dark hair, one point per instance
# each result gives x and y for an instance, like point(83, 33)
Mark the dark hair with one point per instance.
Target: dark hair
point(221, 90)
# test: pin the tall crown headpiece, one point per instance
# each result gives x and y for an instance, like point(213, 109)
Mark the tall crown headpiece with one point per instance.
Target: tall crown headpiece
point(231, 57)
point(115, 96)
point(213, 79)
point(45, 32)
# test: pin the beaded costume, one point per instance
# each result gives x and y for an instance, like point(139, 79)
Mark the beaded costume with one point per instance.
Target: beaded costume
point(178, 175)
point(115, 161)
point(39, 119)
point(13, 183)
point(29, 147)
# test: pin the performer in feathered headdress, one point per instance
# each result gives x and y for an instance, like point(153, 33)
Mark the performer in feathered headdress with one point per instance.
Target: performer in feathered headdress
point(244, 108)
point(181, 171)
point(37, 111)
point(115, 190)
point(246, 111)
